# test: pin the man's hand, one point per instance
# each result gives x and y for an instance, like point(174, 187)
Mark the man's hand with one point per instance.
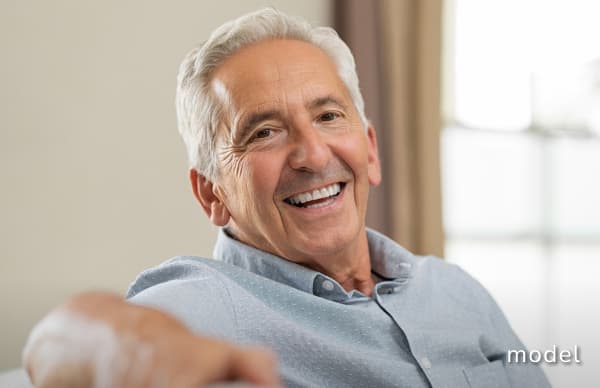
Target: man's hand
point(99, 340)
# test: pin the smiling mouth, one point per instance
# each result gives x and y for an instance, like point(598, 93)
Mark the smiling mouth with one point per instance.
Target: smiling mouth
point(316, 198)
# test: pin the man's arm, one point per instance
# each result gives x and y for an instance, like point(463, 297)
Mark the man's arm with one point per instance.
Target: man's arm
point(100, 340)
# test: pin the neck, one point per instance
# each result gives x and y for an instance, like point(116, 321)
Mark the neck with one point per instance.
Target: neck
point(363, 285)
point(352, 267)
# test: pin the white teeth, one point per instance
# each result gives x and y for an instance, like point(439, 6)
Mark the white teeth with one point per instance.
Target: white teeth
point(325, 192)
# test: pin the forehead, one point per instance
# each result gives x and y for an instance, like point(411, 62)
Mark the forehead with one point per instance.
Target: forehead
point(275, 72)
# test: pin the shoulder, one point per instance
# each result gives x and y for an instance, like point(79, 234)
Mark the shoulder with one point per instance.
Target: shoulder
point(447, 273)
point(452, 281)
point(177, 269)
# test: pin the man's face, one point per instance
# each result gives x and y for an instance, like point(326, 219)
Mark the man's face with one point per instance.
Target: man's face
point(295, 163)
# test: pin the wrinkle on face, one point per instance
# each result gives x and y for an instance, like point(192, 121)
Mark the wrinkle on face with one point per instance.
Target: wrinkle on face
point(232, 158)
point(230, 151)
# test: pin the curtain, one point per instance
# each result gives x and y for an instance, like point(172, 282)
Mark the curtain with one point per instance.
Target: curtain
point(397, 46)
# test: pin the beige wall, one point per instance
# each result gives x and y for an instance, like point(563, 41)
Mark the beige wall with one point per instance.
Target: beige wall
point(93, 174)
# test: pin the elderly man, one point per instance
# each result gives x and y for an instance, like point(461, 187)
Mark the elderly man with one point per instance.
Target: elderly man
point(282, 157)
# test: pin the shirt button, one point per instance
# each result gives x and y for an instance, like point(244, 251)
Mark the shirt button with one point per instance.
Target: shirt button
point(425, 363)
point(327, 285)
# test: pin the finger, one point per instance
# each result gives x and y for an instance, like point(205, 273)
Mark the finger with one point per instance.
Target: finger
point(255, 365)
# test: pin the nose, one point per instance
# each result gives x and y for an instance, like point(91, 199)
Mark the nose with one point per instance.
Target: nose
point(310, 151)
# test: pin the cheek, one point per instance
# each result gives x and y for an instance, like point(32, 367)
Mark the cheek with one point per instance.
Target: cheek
point(353, 151)
point(262, 173)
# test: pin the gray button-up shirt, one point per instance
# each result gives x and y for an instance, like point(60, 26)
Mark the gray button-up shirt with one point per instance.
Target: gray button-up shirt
point(428, 323)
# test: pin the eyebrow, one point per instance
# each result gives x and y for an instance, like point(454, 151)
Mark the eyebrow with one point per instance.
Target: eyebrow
point(254, 119)
point(326, 100)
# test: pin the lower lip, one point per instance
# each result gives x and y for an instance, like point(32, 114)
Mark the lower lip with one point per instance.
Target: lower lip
point(328, 205)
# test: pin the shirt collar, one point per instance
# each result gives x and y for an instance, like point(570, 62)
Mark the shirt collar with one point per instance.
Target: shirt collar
point(389, 261)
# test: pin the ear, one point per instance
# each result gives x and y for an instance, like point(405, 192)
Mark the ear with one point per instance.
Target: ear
point(374, 167)
point(207, 194)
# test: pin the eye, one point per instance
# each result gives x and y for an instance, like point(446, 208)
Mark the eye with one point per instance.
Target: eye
point(329, 116)
point(263, 133)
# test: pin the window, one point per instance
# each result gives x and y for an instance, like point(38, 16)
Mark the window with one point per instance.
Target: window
point(521, 164)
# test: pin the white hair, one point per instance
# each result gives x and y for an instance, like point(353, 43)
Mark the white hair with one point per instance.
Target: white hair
point(199, 114)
